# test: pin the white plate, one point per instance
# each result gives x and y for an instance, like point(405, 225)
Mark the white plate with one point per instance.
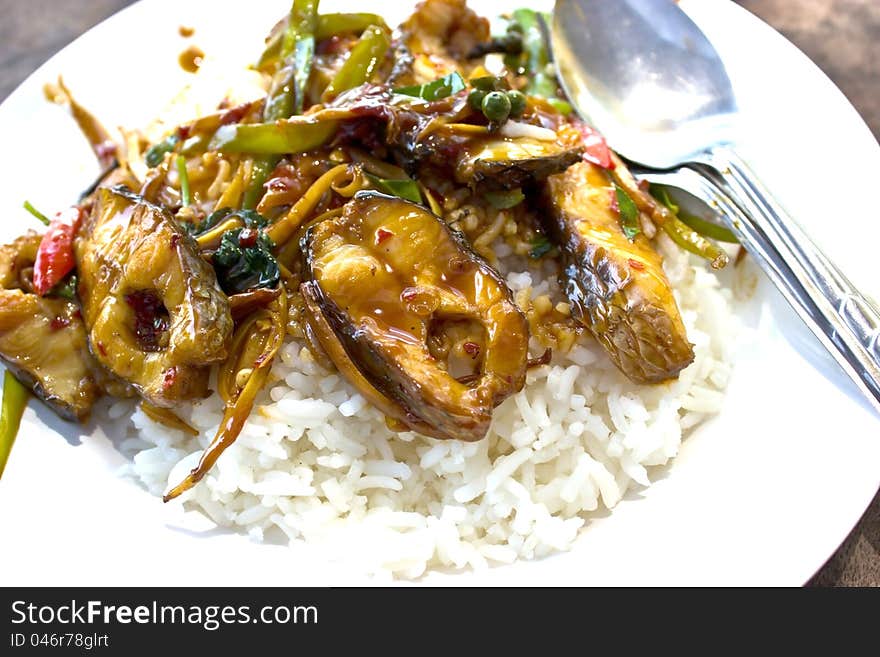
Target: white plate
point(763, 494)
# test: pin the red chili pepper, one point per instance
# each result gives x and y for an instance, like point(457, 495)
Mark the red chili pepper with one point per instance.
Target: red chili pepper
point(382, 235)
point(55, 256)
point(247, 238)
point(596, 149)
point(636, 264)
point(472, 349)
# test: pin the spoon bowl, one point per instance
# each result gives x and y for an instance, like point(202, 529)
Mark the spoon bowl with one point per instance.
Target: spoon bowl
point(644, 75)
point(644, 72)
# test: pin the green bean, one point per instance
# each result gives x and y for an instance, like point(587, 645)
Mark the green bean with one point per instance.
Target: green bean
point(297, 48)
point(690, 240)
point(708, 229)
point(703, 227)
point(537, 56)
point(362, 61)
point(328, 25)
point(281, 137)
point(299, 43)
point(15, 398)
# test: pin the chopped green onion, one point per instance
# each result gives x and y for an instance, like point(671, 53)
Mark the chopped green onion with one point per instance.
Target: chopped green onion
point(506, 199)
point(156, 153)
point(405, 189)
point(15, 398)
point(629, 213)
point(39, 215)
point(435, 90)
point(184, 180)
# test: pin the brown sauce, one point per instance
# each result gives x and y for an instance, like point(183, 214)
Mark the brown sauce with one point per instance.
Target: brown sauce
point(191, 59)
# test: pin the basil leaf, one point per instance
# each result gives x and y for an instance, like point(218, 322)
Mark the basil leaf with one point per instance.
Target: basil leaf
point(629, 214)
point(506, 199)
point(250, 218)
point(441, 88)
point(406, 189)
point(241, 268)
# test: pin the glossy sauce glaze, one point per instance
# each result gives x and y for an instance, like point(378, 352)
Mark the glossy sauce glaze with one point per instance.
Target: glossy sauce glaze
point(384, 275)
point(617, 286)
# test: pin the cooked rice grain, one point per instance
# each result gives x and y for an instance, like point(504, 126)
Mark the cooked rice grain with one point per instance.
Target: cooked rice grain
point(316, 463)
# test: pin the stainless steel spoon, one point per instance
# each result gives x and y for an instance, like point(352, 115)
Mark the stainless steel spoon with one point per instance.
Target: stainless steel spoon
point(646, 77)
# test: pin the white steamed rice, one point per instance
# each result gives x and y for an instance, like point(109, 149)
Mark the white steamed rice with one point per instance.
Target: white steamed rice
point(316, 463)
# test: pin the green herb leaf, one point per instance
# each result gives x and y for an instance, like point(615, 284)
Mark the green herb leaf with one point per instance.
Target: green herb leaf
point(156, 153)
point(406, 189)
point(541, 246)
point(240, 268)
point(629, 214)
point(250, 218)
point(506, 199)
point(441, 88)
point(39, 215)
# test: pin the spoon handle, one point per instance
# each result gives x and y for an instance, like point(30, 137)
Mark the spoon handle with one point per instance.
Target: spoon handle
point(845, 321)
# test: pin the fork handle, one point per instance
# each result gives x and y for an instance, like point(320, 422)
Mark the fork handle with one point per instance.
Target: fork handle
point(846, 322)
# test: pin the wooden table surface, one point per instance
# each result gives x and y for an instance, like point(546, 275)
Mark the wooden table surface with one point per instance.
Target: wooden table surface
point(841, 36)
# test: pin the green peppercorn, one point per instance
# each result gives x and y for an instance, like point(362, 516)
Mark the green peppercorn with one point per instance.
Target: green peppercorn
point(475, 99)
point(517, 103)
point(496, 106)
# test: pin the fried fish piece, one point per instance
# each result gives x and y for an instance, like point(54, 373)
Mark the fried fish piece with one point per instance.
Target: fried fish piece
point(380, 280)
point(42, 339)
point(155, 315)
point(617, 287)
